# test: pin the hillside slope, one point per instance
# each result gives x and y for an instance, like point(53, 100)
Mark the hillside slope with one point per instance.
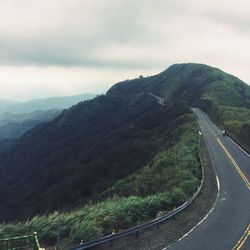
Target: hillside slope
point(88, 148)
point(164, 183)
point(83, 151)
point(223, 96)
point(191, 83)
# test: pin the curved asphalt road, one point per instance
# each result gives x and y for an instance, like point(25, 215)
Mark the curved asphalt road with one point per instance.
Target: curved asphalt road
point(230, 217)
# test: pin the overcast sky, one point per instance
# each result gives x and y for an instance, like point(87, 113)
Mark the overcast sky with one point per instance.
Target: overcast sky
point(65, 47)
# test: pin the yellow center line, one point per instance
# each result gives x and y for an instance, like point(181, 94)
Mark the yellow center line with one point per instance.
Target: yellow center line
point(235, 165)
point(243, 239)
point(241, 242)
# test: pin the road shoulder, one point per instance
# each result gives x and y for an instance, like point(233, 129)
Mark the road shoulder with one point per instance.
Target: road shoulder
point(170, 231)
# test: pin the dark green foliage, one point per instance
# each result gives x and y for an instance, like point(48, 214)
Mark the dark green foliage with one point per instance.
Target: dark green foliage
point(190, 83)
point(121, 158)
point(202, 86)
point(93, 221)
point(178, 168)
point(84, 151)
point(236, 121)
point(170, 168)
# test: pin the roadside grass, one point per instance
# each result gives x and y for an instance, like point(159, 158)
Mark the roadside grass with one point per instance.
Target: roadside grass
point(167, 181)
point(236, 120)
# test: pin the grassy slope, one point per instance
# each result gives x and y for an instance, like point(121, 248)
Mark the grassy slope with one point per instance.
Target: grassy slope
point(229, 106)
point(225, 97)
point(83, 152)
point(170, 168)
point(167, 180)
point(172, 174)
point(217, 92)
point(236, 121)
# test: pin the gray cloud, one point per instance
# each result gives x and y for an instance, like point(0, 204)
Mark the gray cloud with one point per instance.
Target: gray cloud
point(71, 32)
point(74, 38)
point(95, 41)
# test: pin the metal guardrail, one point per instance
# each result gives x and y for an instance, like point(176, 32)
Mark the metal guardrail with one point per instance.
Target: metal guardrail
point(20, 243)
point(137, 229)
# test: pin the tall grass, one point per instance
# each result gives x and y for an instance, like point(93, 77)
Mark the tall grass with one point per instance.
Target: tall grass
point(167, 181)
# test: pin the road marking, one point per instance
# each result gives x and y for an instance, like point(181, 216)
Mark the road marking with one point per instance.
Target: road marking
point(243, 239)
point(247, 232)
point(214, 204)
point(203, 219)
point(243, 150)
point(218, 183)
point(235, 165)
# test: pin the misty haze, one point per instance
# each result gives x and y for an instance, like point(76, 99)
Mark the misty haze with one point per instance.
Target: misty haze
point(124, 124)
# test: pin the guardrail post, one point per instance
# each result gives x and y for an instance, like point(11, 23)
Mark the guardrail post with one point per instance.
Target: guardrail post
point(111, 243)
point(36, 242)
point(137, 234)
point(58, 235)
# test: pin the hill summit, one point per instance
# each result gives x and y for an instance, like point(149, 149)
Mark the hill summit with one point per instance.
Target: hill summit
point(191, 83)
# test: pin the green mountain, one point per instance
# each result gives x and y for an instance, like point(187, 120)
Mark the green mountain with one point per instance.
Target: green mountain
point(195, 84)
point(120, 158)
point(85, 150)
point(223, 96)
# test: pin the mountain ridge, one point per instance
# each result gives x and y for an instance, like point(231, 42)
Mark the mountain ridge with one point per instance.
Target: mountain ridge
point(113, 130)
point(198, 77)
point(6, 102)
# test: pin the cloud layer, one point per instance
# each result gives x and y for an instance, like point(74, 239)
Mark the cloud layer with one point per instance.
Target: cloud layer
point(119, 36)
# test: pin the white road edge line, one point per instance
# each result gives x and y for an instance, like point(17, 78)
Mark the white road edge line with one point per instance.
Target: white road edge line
point(202, 220)
point(205, 217)
point(235, 143)
point(218, 183)
point(243, 150)
point(211, 210)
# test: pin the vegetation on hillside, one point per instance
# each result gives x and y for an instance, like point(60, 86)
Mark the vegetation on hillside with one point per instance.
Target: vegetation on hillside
point(119, 159)
point(165, 182)
point(84, 151)
point(220, 94)
point(236, 121)
point(175, 167)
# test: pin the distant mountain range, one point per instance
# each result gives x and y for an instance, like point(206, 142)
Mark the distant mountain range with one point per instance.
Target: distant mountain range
point(91, 146)
point(16, 118)
point(4, 103)
point(42, 104)
point(14, 125)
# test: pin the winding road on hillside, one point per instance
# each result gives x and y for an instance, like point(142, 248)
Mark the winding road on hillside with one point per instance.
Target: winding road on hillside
point(227, 224)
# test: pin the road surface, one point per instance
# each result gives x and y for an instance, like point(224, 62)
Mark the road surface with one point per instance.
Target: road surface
point(227, 225)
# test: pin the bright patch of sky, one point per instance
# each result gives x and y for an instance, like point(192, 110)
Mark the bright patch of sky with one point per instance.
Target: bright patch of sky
point(66, 47)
